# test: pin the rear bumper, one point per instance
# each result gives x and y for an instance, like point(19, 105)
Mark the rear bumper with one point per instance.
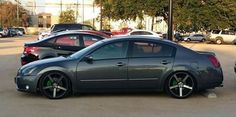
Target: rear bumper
point(27, 58)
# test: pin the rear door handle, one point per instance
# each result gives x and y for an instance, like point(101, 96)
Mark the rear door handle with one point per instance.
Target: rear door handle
point(165, 62)
point(119, 64)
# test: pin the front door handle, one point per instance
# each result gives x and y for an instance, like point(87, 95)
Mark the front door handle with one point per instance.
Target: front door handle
point(119, 64)
point(165, 62)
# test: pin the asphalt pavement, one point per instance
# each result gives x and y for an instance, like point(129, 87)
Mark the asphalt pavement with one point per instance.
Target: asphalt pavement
point(18, 104)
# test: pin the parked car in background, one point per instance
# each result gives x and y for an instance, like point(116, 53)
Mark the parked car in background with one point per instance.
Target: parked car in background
point(22, 30)
point(129, 63)
point(143, 33)
point(121, 32)
point(222, 36)
point(3, 32)
point(63, 27)
point(178, 37)
point(11, 32)
point(60, 44)
point(196, 37)
point(19, 32)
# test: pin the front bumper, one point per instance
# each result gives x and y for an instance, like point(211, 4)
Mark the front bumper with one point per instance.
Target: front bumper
point(26, 83)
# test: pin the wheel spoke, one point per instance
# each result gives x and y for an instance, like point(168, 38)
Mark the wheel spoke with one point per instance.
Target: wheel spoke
point(59, 80)
point(62, 88)
point(180, 91)
point(185, 78)
point(47, 87)
point(175, 86)
point(176, 78)
point(188, 87)
point(50, 78)
point(54, 92)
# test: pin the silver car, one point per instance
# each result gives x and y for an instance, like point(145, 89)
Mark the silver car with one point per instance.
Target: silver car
point(196, 37)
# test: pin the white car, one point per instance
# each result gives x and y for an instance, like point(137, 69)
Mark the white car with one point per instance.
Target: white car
point(222, 36)
point(43, 34)
point(143, 33)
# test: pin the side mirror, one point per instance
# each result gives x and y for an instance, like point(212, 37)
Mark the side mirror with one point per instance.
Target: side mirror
point(88, 59)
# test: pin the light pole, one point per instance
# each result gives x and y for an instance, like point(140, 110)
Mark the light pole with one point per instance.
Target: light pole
point(170, 21)
point(83, 10)
point(17, 11)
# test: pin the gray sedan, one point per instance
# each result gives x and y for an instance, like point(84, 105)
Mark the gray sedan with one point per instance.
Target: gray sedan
point(132, 63)
point(196, 37)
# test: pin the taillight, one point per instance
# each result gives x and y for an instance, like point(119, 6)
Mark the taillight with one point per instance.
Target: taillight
point(214, 61)
point(28, 50)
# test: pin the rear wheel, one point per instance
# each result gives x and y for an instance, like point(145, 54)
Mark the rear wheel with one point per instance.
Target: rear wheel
point(188, 39)
point(1, 36)
point(203, 40)
point(54, 85)
point(219, 40)
point(180, 85)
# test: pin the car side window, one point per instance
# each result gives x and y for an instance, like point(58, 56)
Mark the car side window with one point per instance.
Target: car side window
point(136, 33)
point(111, 51)
point(146, 33)
point(68, 40)
point(225, 32)
point(90, 39)
point(86, 27)
point(150, 49)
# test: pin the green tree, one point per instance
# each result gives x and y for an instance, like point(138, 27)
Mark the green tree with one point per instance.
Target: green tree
point(194, 14)
point(8, 14)
point(67, 16)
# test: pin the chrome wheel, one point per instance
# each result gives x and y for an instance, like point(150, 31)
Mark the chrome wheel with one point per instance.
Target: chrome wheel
point(180, 85)
point(55, 85)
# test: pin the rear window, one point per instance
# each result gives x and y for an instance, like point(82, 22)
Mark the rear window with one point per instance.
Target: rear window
point(1, 29)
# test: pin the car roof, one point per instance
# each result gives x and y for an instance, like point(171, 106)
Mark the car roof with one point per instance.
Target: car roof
point(140, 38)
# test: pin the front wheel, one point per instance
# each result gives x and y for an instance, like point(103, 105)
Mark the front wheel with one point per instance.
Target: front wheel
point(55, 85)
point(180, 85)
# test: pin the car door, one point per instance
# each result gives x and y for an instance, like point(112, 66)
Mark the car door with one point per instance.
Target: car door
point(148, 63)
point(67, 44)
point(106, 68)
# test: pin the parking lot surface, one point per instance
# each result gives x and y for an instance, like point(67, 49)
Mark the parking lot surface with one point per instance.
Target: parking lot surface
point(18, 104)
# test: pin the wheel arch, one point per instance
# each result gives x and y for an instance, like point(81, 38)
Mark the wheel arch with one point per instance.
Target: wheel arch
point(56, 69)
point(185, 69)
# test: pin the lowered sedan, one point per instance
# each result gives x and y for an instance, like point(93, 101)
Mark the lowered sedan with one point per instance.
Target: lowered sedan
point(129, 63)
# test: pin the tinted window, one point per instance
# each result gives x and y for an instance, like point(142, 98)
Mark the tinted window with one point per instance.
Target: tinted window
point(68, 40)
point(225, 32)
point(215, 31)
point(149, 49)
point(146, 33)
point(111, 51)
point(85, 27)
point(90, 39)
point(1, 29)
point(136, 33)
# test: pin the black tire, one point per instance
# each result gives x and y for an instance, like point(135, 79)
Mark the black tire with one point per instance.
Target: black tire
point(203, 40)
point(180, 85)
point(188, 40)
point(1, 35)
point(55, 85)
